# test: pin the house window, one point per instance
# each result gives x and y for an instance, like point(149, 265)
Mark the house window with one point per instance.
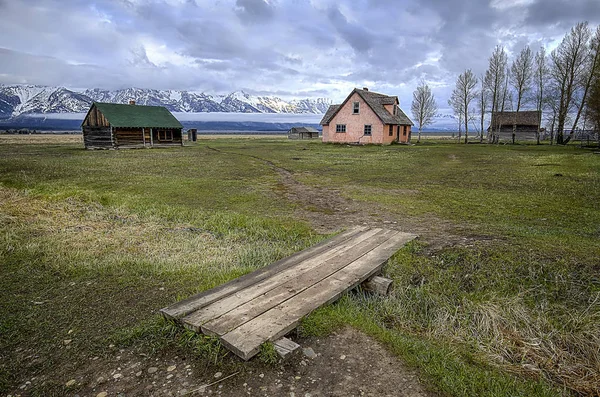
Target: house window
point(391, 130)
point(367, 130)
point(340, 128)
point(165, 135)
point(356, 108)
point(404, 132)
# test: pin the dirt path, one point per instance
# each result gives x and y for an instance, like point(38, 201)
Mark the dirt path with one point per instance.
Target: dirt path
point(328, 211)
point(344, 364)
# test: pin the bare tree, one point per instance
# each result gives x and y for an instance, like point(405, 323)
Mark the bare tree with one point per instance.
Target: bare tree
point(592, 65)
point(424, 106)
point(494, 79)
point(464, 92)
point(484, 98)
point(506, 94)
point(593, 103)
point(552, 103)
point(541, 73)
point(521, 73)
point(457, 107)
point(568, 64)
point(505, 98)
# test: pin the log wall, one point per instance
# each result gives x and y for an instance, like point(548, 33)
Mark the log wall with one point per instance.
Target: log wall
point(95, 118)
point(177, 136)
point(97, 137)
point(129, 136)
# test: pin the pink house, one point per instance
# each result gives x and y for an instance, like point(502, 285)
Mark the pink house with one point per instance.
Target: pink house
point(366, 117)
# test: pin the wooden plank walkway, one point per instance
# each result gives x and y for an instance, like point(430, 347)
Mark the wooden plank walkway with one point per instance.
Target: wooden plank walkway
point(268, 303)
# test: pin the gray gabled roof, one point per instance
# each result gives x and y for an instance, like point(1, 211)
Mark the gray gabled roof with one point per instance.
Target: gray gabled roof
point(304, 129)
point(524, 117)
point(331, 111)
point(376, 102)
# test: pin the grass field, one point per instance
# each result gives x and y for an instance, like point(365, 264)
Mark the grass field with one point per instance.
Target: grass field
point(499, 297)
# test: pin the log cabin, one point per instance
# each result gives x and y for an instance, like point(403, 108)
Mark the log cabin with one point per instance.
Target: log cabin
point(112, 125)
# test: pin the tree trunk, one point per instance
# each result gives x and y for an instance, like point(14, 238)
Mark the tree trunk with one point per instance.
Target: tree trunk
point(537, 133)
point(466, 127)
point(419, 138)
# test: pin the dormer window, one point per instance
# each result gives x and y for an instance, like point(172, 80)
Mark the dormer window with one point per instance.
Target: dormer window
point(356, 108)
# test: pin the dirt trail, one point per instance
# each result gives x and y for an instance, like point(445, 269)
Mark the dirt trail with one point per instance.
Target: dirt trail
point(328, 211)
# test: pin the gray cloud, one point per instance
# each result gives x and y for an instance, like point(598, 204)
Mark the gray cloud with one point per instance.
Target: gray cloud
point(287, 48)
point(254, 11)
point(563, 13)
point(353, 33)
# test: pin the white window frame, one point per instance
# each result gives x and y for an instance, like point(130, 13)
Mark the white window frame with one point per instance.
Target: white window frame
point(340, 128)
point(356, 108)
point(368, 127)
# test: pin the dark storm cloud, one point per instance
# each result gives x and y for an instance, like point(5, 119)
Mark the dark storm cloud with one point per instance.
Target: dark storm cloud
point(353, 33)
point(254, 10)
point(564, 13)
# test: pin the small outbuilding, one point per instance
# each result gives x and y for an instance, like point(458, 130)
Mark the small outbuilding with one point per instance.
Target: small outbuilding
point(112, 125)
point(303, 133)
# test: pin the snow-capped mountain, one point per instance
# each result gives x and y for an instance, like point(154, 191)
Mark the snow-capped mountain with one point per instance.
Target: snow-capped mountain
point(16, 100)
point(24, 99)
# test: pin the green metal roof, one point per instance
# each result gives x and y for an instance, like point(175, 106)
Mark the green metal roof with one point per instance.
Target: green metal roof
point(119, 115)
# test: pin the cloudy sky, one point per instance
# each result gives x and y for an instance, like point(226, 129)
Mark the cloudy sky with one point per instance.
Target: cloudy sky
point(289, 48)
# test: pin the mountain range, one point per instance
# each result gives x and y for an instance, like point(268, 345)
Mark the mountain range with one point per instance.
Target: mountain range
point(21, 100)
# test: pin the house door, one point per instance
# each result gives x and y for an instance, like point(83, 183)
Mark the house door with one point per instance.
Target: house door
point(398, 134)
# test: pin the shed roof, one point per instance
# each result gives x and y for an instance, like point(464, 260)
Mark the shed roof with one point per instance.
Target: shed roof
point(304, 129)
point(524, 117)
point(137, 116)
point(376, 102)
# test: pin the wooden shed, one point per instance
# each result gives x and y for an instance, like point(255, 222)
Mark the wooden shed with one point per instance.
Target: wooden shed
point(112, 125)
point(303, 133)
point(525, 120)
point(525, 124)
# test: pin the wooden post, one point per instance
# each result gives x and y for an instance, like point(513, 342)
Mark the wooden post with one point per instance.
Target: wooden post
point(378, 285)
point(285, 347)
point(151, 138)
point(144, 136)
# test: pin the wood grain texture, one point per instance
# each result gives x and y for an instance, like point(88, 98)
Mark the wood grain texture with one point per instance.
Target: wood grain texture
point(244, 312)
point(245, 340)
point(345, 251)
point(191, 304)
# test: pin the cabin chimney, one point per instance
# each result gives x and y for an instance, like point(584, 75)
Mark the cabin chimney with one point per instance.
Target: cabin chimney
point(131, 102)
point(365, 88)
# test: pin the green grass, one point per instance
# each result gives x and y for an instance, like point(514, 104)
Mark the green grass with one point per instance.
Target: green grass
point(94, 242)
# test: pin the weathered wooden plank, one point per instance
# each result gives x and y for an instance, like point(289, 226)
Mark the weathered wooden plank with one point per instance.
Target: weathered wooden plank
point(285, 347)
point(245, 340)
point(186, 306)
point(244, 312)
point(347, 251)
